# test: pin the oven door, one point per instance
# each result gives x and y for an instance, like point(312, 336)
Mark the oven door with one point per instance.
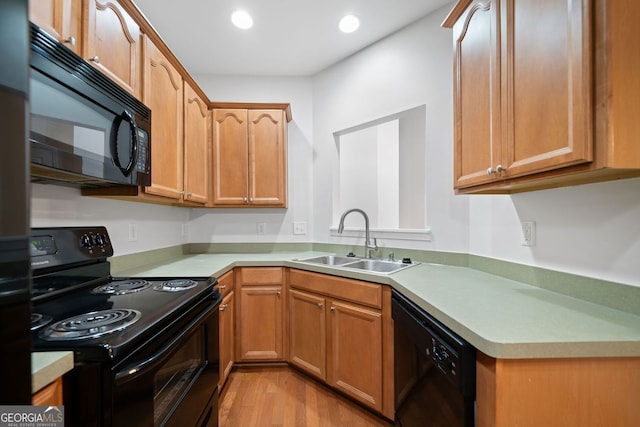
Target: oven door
point(173, 383)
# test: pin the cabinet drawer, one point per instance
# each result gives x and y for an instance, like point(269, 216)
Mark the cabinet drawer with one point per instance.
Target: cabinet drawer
point(365, 293)
point(225, 283)
point(261, 275)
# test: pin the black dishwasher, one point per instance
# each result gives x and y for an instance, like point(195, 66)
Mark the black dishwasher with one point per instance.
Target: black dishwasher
point(434, 370)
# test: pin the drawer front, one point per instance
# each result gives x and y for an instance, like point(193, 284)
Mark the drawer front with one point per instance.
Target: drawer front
point(225, 283)
point(364, 293)
point(261, 275)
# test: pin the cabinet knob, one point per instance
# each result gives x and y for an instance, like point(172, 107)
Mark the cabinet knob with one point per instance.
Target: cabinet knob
point(96, 59)
point(278, 293)
point(250, 199)
point(222, 286)
point(223, 307)
point(320, 305)
point(333, 308)
point(70, 40)
point(244, 199)
point(498, 169)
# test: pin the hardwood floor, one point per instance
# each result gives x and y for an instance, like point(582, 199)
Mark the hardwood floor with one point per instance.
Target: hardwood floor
point(281, 396)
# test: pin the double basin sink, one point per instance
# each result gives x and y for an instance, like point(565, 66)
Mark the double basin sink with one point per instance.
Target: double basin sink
point(363, 264)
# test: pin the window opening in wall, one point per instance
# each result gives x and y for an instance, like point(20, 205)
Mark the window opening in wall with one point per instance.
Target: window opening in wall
point(382, 171)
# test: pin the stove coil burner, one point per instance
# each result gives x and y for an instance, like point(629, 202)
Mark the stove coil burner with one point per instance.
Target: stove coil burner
point(91, 325)
point(39, 320)
point(176, 285)
point(122, 287)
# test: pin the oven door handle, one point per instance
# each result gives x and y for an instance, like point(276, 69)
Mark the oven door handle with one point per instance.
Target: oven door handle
point(137, 369)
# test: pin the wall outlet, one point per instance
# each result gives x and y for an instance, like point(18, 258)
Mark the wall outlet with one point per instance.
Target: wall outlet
point(261, 228)
point(299, 227)
point(133, 233)
point(528, 233)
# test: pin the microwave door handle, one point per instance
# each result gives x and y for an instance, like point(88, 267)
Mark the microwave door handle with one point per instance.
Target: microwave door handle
point(133, 155)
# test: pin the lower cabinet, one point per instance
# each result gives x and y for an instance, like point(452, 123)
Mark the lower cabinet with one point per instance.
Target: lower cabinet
point(580, 392)
point(308, 332)
point(340, 331)
point(227, 326)
point(50, 395)
point(260, 314)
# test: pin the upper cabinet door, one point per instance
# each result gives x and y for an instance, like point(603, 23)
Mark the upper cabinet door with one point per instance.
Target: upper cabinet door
point(476, 38)
point(230, 154)
point(546, 68)
point(113, 43)
point(163, 94)
point(197, 147)
point(267, 157)
point(61, 19)
point(523, 90)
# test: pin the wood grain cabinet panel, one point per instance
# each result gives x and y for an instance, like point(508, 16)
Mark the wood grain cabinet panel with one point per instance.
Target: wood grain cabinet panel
point(542, 93)
point(226, 287)
point(355, 345)
point(50, 395)
point(163, 93)
point(260, 327)
point(342, 342)
point(197, 147)
point(249, 158)
point(62, 19)
point(308, 332)
point(588, 392)
point(112, 43)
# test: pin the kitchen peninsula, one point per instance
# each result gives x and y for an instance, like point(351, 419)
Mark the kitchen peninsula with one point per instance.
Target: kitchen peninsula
point(533, 343)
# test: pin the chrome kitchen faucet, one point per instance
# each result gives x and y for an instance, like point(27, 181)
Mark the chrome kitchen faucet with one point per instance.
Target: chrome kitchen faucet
point(367, 246)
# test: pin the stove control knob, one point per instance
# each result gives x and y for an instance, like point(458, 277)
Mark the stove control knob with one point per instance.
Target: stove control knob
point(85, 241)
point(99, 239)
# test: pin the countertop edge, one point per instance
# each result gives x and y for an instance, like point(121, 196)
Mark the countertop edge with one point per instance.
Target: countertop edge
point(46, 367)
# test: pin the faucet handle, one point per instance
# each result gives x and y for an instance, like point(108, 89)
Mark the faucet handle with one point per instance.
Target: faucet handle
point(392, 256)
point(375, 244)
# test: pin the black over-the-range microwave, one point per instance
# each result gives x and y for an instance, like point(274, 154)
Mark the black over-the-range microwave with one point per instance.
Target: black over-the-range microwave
point(85, 129)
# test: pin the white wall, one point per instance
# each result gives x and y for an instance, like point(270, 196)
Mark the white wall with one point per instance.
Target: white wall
point(410, 68)
point(156, 226)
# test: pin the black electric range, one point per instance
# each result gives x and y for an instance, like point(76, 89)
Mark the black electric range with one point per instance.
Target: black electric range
point(161, 331)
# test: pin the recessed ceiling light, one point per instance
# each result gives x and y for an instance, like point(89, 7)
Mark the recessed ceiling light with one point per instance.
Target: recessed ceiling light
point(242, 19)
point(349, 23)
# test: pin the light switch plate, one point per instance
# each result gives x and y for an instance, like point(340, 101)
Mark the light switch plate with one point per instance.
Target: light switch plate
point(528, 233)
point(299, 227)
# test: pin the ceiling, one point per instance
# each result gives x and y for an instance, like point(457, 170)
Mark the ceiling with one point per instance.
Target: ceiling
point(288, 38)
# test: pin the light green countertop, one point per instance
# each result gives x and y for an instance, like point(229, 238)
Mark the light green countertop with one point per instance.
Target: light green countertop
point(502, 318)
point(48, 366)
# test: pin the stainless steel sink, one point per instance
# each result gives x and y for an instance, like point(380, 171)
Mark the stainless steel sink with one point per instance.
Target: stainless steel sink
point(370, 265)
point(330, 259)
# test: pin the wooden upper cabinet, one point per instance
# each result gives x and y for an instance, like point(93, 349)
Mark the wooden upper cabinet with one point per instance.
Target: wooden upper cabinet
point(546, 65)
point(476, 94)
point(249, 157)
point(197, 147)
point(230, 157)
point(536, 85)
point(62, 19)
point(267, 158)
point(112, 43)
point(163, 93)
